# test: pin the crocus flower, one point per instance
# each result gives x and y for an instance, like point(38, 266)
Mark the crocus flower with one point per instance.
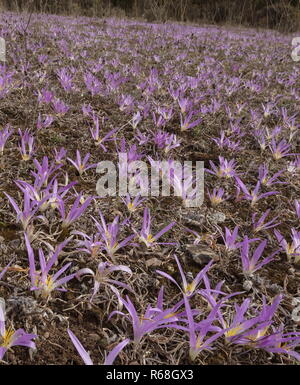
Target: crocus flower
point(85, 355)
point(297, 207)
point(281, 149)
point(60, 107)
point(253, 195)
point(109, 235)
point(268, 109)
point(141, 137)
point(291, 249)
point(93, 85)
point(188, 289)
point(153, 318)
point(185, 104)
point(44, 171)
point(222, 141)
point(217, 196)
point(165, 112)
point(263, 176)
point(102, 276)
point(60, 155)
point(90, 244)
point(137, 117)
point(45, 96)
point(41, 281)
point(10, 337)
point(65, 79)
point(240, 325)
point(145, 234)
point(250, 263)
point(27, 144)
point(166, 141)
point(132, 204)
point(230, 239)
point(75, 211)
point(5, 133)
point(245, 331)
point(281, 343)
point(44, 123)
point(226, 168)
point(260, 224)
point(199, 341)
point(26, 215)
point(82, 165)
point(98, 140)
point(185, 121)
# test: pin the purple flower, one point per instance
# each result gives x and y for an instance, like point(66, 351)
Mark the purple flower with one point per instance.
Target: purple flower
point(44, 171)
point(186, 123)
point(250, 263)
point(261, 225)
point(225, 170)
point(166, 141)
point(249, 332)
point(263, 176)
point(281, 149)
point(5, 133)
point(60, 107)
point(132, 204)
point(102, 276)
point(96, 134)
point(65, 79)
point(281, 343)
point(291, 249)
point(26, 215)
point(136, 120)
point(27, 144)
point(153, 318)
point(60, 155)
point(240, 325)
point(145, 234)
point(41, 281)
point(93, 85)
point(75, 211)
point(85, 355)
point(44, 124)
point(230, 239)
point(217, 196)
point(185, 104)
point(297, 207)
point(254, 195)
point(109, 235)
point(188, 289)
point(45, 96)
point(10, 337)
point(82, 165)
point(199, 341)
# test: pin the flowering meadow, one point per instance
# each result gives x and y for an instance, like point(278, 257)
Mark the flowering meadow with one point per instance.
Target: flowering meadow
point(147, 280)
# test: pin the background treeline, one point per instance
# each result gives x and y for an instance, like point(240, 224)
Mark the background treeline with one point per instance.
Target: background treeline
point(283, 15)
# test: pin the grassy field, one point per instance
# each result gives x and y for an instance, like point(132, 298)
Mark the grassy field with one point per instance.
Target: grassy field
point(226, 96)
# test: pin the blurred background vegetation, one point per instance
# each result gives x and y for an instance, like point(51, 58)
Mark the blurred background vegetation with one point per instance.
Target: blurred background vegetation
point(283, 15)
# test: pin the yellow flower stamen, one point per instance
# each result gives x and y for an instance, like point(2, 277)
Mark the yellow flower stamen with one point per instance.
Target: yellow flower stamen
point(6, 339)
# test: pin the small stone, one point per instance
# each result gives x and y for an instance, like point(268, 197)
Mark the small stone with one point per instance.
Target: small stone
point(216, 217)
point(296, 314)
point(95, 337)
point(201, 255)
point(14, 244)
point(247, 285)
point(153, 262)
